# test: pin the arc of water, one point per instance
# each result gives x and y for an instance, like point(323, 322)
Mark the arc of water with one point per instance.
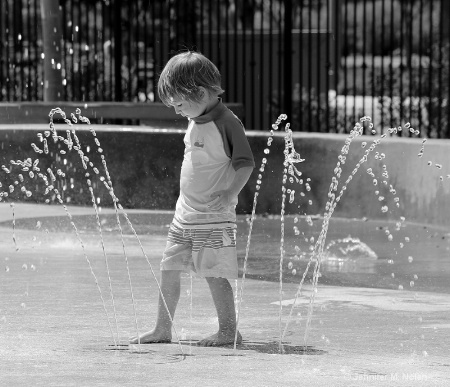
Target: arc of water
point(247, 248)
point(69, 144)
point(58, 196)
point(288, 153)
point(14, 227)
point(117, 206)
point(280, 291)
point(318, 248)
point(84, 160)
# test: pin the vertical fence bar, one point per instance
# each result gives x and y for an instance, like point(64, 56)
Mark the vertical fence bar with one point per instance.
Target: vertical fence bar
point(161, 35)
point(447, 42)
point(244, 59)
point(345, 52)
point(319, 93)
point(129, 57)
point(36, 51)
point(202, 26)
point(328, 66)
point(2, 56)
point(420, 64)
point(137, 50)
point(104, 50)
point(355, 50)
point(410, 64)
point(373, 113)
point(301, 86)
point(28, 40)
point(252, 64)
point(309, 67)
point(72, 53)
point(236, 42)
point(218, 35)
point(391, 68)
point(88, 50)
point(117, 50)
point(430, 74)
point(64, 48)
point(381, 99)
point(270, 91)
point(96, 34)
point(81, 53)
point(364, 53)
point(153, 53)
point(262, 66)
point(210, 22)
point(227, 46)
point(441, 40)
point(402, 64)
point(288, 57)
point(7, 49)
point(337, 58)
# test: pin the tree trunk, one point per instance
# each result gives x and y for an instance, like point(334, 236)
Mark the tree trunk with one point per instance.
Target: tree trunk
point(52, 38)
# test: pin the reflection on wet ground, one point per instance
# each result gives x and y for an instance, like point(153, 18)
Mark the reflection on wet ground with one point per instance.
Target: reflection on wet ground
point(358, 252)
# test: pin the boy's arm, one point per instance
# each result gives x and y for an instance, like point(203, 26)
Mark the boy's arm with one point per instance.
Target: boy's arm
point(222, 199)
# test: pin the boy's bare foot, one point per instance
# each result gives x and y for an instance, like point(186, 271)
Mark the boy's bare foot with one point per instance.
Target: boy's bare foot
point(152, 337)
point(219, 339)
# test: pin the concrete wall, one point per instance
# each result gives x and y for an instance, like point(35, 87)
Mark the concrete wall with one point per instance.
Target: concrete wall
point(144, 164)
point(423, 197)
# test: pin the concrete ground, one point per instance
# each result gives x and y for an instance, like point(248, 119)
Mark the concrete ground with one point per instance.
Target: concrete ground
point(54, 330)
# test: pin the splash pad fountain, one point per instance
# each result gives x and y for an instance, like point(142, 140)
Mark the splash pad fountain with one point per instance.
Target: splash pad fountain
point(112, 275)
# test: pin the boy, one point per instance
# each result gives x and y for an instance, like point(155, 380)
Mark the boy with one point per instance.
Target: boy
point(217, 164)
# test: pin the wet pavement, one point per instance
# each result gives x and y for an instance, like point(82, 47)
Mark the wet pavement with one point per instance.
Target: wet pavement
point(365, 329)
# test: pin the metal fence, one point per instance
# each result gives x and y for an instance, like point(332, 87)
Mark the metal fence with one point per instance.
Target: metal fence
point(325, 63)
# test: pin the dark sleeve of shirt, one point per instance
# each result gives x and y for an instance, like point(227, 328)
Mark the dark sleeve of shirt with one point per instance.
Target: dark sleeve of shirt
point(235, 141)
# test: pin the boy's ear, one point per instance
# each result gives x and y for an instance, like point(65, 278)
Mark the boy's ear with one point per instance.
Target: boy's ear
point(202, 91)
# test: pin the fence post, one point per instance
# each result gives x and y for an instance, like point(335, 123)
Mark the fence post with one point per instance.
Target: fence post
point(287, 60)
point(117, 51)
point(52, 37)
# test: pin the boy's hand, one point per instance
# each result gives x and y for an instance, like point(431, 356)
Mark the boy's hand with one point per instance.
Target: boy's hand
point(221, 200)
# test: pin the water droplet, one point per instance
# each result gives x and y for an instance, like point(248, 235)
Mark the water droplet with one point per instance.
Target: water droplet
point(400, 287)
point(7, 269)
point(416, 277)
point(411, 284)
point(410, 259)
point(267, 151)
point(290, 265)
point(24, 266)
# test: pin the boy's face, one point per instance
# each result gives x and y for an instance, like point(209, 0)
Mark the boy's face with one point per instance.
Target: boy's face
point(191, 109)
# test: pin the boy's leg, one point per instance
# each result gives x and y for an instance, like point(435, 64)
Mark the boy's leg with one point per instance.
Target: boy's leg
point(170, 288)
point(222, 294)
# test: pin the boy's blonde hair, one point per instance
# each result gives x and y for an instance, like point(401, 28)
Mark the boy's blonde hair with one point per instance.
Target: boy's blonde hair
point(184, 74)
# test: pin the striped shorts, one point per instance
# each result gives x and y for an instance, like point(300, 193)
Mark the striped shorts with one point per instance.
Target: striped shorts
point(207, 252)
